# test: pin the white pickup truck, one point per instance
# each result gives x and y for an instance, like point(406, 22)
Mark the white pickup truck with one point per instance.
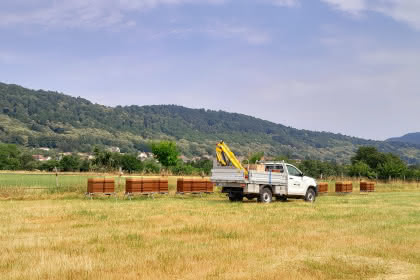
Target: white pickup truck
point(278, 179)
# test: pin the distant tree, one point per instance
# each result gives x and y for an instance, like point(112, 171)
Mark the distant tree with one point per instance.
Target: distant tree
point(361, 168)
point(130, 163)
point(393, 166)
point(255, 157)
point(70, 163)
point(151, 166)
point(166, 153)
point(49, 165)
point(369, 155)
point(203, 165)
point(85, 165)
point(9, 157)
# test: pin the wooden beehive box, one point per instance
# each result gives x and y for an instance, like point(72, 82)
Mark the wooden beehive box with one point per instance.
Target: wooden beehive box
point(109, 185)
point(188, 185)
point(199, 185)
point(150, 185)
point(349, 187)
point(163, 185)
point(339, 187)
point(364, 186)
point(95, 185)
point(209, 186)
point(180, 185)
point(371, 187)
point(133, 185)
point(322, 187)
point(257, 167)
point(367, 186)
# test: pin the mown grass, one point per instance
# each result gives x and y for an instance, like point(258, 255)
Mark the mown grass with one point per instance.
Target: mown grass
point(65, 236)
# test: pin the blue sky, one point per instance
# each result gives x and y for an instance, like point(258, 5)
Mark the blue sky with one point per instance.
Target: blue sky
point(346, 66)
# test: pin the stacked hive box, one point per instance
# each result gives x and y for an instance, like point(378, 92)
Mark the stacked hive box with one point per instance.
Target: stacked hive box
point(139, 185)
point(343, 187)
point(95, 185)
point(210, 186)
point(322, 187)
point(367, 186)
point(189, 185)
point(133, 185)
point(199, 186)
point(109, 185)
point(184, 185)
point(163, 186)
point(150, 185)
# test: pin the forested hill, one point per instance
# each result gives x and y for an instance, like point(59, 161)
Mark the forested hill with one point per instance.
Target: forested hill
point(413, 138)
point(50, 119)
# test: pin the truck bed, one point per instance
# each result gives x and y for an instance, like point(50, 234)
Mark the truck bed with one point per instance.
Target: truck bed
point(232, 175)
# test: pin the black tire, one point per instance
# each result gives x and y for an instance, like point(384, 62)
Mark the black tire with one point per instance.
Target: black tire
point(310, 195)
point(266, 196)
point(236, 197)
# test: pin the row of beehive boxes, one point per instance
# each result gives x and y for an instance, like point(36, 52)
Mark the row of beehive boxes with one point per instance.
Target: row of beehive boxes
point(132, 185)
point(347, 187)
point(148, 185)
point(190, 185)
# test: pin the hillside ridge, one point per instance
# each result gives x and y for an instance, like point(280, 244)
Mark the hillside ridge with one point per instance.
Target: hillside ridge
point(39, 118)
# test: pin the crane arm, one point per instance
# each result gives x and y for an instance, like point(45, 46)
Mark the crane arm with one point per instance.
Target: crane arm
point(225, 156)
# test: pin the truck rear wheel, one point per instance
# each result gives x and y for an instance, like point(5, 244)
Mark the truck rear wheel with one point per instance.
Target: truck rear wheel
point(266, 196)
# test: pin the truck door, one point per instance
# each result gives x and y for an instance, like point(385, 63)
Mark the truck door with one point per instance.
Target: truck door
point(294, 181)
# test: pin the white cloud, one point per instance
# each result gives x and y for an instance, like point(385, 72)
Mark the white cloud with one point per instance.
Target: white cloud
point(78, 13)
point(287, 3)
point(250, 35)
point(350, 6)
point(407, 11)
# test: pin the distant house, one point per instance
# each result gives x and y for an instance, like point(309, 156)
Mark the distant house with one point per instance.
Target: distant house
point(40, 158)
point(85, 156)
point(44, 149)
point(114, 149)
point(142, 156)
point(184, 158)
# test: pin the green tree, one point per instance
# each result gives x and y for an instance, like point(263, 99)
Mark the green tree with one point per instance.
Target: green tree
point(10, 157)
point(361, 168)
point(49, 165)
point(369, 155)
point(393, 166)
point(70, 163)
point(166, 153)
point(254, 158)
point(130, 163)
point(151, 166)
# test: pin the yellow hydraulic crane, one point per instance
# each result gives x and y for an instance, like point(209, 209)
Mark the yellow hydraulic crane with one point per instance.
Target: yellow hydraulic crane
point(226, 156)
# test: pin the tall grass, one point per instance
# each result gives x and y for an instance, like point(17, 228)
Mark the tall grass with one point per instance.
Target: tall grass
point(375, 236)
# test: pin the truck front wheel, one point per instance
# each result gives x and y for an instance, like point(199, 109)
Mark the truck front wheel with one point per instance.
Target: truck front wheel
point(310, 195)
point(266, 196)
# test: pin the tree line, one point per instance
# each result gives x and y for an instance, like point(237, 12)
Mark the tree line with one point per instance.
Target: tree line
point(166, 159)
point(367, 162)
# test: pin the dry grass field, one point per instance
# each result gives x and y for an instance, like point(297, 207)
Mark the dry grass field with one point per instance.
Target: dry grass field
point(62, 235)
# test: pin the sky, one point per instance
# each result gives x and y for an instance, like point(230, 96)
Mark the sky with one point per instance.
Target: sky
point(343, 66)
